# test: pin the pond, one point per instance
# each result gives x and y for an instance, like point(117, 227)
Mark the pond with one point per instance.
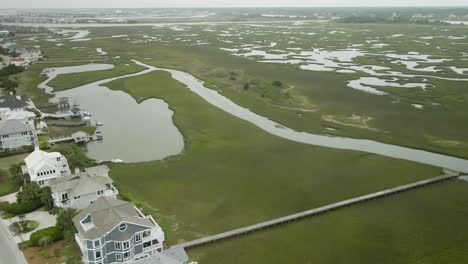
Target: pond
point(133, 132)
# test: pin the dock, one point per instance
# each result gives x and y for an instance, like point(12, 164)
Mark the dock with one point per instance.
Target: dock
point(316, 211)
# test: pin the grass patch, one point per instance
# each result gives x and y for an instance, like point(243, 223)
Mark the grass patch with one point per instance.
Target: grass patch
point(421, 226)
point(43, 141)
point(72, 80)
point(233, 174)
point(57, 132)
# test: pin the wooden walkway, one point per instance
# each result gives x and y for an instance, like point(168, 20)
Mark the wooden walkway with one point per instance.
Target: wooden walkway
point(61, 140)
point(316, 211)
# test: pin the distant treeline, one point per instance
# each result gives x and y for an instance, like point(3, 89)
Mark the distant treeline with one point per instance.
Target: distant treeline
point(396, 20)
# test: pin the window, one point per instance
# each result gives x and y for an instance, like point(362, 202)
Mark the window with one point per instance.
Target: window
point(98, 254)
point(118, 256)
point(147, 233)
point(58, 159)
point(41, 183)
point(126, 255)
point(126, 244)
point(97, 243)
point(137, 237)
point(64, 196)
point(118, 245)
point(77, 197)
point(122, 227)
point(100, 192)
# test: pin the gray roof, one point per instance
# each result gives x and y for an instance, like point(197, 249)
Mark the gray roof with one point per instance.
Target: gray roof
point(80, 184)
point(106, 214)
point(174, 255)
point(97, 169)
point(13, 126)
point(13, 101)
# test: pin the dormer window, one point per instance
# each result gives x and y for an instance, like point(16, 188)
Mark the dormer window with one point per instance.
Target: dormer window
point(87, 223)
point(122, 227)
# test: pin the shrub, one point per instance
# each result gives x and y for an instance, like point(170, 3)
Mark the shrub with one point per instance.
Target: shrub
point(54, 233)
point(65, 219)
point(74, 260)
point(22, 208)
point(45, 254)
point(277, 84)
point(3, 205)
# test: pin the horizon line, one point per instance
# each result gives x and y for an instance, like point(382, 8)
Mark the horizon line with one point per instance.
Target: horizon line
point(227, 7)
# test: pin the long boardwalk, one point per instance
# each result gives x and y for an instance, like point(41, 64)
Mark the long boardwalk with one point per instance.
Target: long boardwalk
point(316, 211)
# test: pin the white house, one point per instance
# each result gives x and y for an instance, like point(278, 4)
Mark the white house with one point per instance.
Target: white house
point(43, 167)
point(115, 231)
point(82, 189)
point(15, 134)
point(26, 117)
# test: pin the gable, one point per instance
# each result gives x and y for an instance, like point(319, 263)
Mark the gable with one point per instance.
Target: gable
point(131, 229)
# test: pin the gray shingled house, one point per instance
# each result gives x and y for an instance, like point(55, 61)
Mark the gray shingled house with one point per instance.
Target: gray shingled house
point(83, 188)
point(115, 231)
point(15, 134)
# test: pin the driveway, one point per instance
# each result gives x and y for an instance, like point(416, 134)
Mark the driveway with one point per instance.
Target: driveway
point(9, 251)
point(43, 218)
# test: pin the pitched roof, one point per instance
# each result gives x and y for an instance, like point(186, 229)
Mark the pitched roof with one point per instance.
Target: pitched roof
point(107, 213)
point(14, 101)
point(80, 184)
point(97, 169)
point(174, 255)
point(18, 114)
point(13, 126)
point(38, 158)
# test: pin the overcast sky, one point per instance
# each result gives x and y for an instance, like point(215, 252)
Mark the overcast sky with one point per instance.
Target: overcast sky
point(219, 3)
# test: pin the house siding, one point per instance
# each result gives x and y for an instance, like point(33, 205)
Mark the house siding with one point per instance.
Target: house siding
point(15, 141)
point(108, 245)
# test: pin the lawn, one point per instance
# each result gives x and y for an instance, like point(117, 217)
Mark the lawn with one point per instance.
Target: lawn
point(6, 184)
point(72, 80)
point(421, 226)
point(57, 131)
point(233, 174)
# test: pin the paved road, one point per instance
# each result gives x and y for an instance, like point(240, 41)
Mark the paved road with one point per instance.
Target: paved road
point(9, 252)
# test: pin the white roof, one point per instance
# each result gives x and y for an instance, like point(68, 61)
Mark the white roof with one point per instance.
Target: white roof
point(38, 159)
point(20, 114)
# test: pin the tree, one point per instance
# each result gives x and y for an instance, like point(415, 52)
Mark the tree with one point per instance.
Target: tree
point(65, 219)
point(18, 177)
point(277, 84)
point(46, 198)
point(30, 193)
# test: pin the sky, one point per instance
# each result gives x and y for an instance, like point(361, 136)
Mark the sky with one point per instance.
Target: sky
point(218, 3)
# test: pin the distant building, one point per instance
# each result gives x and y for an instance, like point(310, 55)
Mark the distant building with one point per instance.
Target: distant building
point(82, 189)
point(15, 134)
point(43, 167)
point(4, 33)
point(115, 231)
point(20, 62)
point(80, 137)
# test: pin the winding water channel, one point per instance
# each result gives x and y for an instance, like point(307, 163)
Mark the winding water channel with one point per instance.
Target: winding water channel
point(214, 98)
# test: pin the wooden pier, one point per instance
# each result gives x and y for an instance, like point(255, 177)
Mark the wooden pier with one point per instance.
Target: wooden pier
point(316, 211)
